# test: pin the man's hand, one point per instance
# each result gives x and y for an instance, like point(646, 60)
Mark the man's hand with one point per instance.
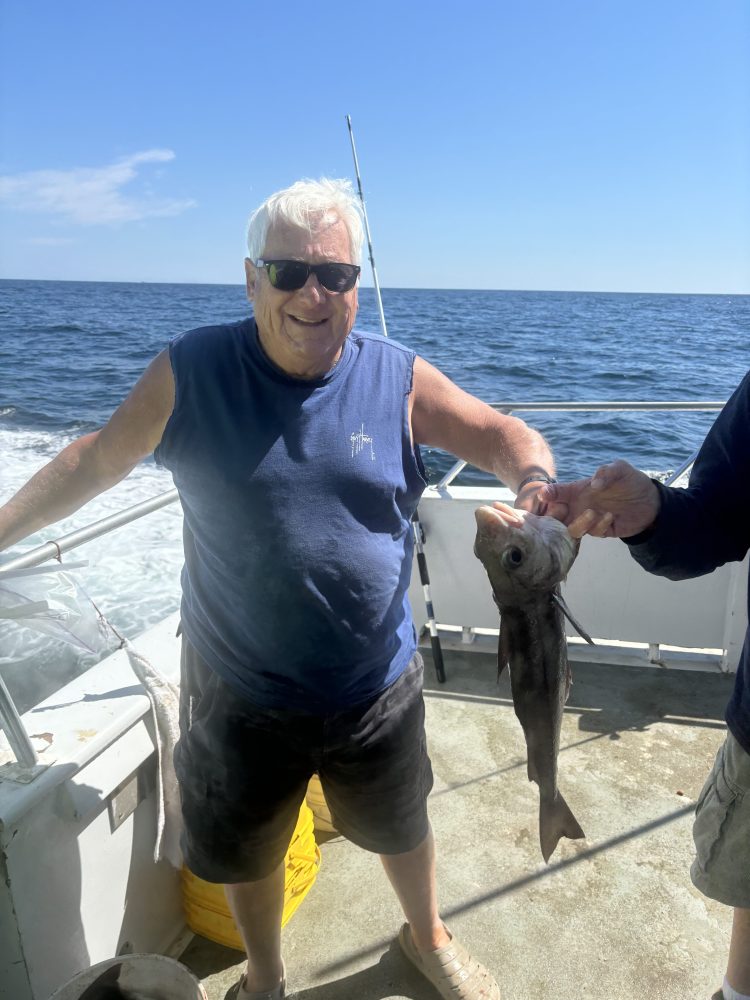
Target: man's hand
point(616, 502)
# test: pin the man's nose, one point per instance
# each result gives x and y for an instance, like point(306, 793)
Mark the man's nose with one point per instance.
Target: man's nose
point(312, 288)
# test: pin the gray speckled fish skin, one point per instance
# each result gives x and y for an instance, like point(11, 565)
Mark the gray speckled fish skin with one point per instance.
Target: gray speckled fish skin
point(526, 558)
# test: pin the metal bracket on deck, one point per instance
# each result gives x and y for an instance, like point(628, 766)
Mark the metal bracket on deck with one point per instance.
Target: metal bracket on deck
point(654, 654)
point(20, 773)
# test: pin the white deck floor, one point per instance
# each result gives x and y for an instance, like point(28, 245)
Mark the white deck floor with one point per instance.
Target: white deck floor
point(614, 916)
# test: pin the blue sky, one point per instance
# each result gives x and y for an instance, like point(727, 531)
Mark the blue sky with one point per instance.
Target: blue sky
point(539, 145)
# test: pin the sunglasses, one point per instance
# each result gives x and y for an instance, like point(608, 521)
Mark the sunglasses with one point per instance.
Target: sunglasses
point(290, 275)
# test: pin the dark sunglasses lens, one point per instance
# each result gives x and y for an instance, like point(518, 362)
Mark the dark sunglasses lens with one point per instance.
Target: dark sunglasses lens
point(287, 275)
point(338, 277)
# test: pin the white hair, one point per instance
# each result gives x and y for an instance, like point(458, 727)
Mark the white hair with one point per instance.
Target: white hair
point(303, 204)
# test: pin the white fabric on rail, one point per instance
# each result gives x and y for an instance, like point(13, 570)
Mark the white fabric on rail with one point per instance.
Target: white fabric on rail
point(164, 696)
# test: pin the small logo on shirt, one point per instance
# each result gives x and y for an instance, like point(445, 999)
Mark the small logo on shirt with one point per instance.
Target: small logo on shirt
point(360, 441)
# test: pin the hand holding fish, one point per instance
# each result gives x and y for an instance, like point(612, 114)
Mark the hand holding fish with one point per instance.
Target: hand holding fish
point(528, 499)
point(616, 502)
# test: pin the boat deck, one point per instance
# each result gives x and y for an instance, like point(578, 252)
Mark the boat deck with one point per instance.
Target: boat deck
point(613, 916)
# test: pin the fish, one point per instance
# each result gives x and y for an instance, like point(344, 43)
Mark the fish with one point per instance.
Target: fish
point(526, 558)
point(107, 987)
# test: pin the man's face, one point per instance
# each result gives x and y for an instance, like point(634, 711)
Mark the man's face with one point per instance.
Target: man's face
point(303, 331)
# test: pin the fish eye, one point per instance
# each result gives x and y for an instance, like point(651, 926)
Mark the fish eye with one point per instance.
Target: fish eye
point(512, 557)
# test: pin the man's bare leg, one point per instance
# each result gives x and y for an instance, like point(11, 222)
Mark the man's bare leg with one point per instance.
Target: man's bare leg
point(257, 908)
point(738, 967)
point(412, 876)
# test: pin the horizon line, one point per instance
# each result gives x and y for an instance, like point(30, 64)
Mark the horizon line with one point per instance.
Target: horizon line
point(397, 288)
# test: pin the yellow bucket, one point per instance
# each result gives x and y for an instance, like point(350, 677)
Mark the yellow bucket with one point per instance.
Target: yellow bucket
point(207, 911)
point(321, 813)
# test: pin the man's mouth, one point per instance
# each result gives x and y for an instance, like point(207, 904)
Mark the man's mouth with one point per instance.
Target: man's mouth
point(307, 322)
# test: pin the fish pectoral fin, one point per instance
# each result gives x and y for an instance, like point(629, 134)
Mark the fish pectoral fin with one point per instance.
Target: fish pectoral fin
point(568, 682)
point(556, 820)
point(557, 598)
point(503, 659)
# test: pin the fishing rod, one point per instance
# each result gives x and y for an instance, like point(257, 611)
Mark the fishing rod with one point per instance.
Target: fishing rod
point(418, 530)
point(375, 281)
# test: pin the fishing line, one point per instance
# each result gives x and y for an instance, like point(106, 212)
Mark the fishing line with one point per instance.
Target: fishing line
point(417, 529)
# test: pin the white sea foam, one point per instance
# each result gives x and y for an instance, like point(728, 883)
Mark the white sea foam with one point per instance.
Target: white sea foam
point(132, 573)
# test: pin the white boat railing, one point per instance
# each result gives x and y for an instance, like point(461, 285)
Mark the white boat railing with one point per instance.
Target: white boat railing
point(10, 720)
point(616, 406)
point(54, 549)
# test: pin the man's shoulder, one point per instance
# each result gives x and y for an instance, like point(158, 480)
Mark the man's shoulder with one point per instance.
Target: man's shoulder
point(377, 342)
point(212, 336)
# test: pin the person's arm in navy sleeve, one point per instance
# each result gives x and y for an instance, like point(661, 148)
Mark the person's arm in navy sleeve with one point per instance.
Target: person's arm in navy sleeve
point(672, 532)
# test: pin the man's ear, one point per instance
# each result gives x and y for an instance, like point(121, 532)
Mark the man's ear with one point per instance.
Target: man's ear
point(251, 276)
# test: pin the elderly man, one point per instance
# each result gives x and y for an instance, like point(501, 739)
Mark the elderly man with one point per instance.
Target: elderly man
point(294, 444)
point(680, 534)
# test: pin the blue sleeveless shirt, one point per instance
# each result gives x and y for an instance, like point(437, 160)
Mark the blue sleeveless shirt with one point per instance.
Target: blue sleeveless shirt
point(297, 497)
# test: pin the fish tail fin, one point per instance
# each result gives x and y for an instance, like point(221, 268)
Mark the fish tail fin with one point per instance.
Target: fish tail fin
point(556, 820)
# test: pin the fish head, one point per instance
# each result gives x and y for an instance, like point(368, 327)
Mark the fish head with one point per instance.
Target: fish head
point(525, 555)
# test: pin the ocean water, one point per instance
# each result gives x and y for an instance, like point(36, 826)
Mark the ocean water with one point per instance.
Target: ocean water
point(70, 351)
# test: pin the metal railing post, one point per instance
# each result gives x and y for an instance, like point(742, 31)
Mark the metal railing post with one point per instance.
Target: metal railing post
point(15, 730)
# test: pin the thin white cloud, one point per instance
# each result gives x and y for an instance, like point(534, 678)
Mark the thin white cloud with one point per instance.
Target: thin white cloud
point(90, 195)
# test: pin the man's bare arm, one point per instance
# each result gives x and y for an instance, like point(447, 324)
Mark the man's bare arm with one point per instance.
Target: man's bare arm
point(444, 416)
point(95, 462)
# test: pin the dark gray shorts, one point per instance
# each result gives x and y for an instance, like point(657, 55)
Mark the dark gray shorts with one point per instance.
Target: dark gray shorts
point(721, 832)
point(243, 772)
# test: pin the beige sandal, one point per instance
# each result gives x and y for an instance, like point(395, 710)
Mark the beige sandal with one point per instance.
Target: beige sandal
point(451, 970)
point(238, 991)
